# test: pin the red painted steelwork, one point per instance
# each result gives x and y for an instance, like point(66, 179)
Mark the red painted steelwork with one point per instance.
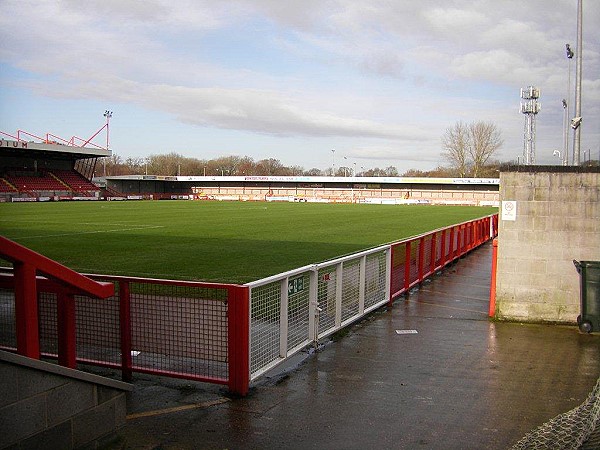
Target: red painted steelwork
point(492, 309)
point(26, 264)
point(26, 311)
point(18, 254)
point(125, 330)
point(239, 341)
point(453, 243)
point(67, 353)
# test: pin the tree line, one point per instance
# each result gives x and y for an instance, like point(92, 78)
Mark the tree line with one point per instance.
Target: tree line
point(468, 148)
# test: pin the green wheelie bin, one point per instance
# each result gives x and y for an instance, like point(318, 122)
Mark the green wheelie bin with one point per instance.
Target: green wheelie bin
point(589, 272)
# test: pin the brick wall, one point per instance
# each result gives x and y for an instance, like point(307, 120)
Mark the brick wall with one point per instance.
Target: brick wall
point(557, 221)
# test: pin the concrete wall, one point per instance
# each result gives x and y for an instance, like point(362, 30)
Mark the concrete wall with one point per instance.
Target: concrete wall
point(557, 220)
point(43, 405)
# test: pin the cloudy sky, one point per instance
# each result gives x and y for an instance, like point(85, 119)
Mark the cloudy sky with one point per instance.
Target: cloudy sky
point(378, 81)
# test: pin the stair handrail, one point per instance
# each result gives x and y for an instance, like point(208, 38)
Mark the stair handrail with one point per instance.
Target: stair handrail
point(26, 265)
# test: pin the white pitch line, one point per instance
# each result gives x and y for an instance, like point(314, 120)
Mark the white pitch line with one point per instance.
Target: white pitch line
point(88, 232)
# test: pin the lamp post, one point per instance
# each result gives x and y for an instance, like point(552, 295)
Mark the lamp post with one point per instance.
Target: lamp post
point(565, 133)
point(333, 163)
point(567, 103)
point(578, 62)
point(108, 114)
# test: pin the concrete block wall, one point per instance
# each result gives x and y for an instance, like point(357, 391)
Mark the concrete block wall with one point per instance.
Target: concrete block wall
point(557, 221)
point(46, 406)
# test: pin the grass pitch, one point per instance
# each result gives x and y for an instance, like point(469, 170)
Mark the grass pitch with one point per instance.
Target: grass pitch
point(213, 241)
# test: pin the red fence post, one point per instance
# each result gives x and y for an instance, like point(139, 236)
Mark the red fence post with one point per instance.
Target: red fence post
point(492, 309)
point(407, 267)
point(125, 330)
point(26, 310)
point(443, 255)
point(392, 275)
point(451, 244)
point(67, 335)
point(238, 334)
point(433, 252)
point(421, 258)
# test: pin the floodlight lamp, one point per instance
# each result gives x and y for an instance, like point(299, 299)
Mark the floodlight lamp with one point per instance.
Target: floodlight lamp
point(570, 53)
point(575, 122)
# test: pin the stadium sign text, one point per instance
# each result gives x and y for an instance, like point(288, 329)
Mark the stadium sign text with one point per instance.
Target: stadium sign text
point(13, 144)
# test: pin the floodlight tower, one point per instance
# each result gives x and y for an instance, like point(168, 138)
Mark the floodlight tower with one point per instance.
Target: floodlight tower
point(108, 114)
point(530, 107)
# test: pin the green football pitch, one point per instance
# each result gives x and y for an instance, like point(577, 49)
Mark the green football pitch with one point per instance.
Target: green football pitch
point(213, 241)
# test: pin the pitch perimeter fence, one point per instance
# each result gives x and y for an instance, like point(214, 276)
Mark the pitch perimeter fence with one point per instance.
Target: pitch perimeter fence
point(227, 333)
point(297, 308)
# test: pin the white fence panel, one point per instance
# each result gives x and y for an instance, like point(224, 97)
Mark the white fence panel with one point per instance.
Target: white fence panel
point(291, 310)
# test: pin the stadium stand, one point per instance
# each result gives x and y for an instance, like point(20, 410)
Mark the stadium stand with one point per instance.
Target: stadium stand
point(29, 181)
point(43, 171)
point(389, 190)
point(5, 186)
point(75, 181)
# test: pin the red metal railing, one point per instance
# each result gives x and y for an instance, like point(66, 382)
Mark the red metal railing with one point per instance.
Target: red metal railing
point(414, 260)
point(27, 264)
point(50, 138)
point(172, 328)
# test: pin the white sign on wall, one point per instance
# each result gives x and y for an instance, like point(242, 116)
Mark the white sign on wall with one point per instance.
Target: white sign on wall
point(509, 210)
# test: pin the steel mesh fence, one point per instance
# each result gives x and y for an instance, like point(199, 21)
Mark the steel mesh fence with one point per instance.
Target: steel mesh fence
point(175, 327)
point(375, 279)
point(180, 329)
point(98, 339)
point(265, 313)
point(8, 331)
point(398, 268)
point(440, 249)
point(413, 263)
point(427, 254)
point(48, 327)
point(575, 429)
point(326, 298)
point(298, 312)
point(448, 246)
point(350, 289)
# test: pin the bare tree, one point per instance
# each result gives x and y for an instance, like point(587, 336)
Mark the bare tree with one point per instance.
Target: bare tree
point(269, 166)
point(455, 143)
point(391, 171)
point(484, 140)
point(468, 147)
point(314, 172)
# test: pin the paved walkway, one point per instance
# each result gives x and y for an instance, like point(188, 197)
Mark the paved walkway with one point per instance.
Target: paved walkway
point(459, 382)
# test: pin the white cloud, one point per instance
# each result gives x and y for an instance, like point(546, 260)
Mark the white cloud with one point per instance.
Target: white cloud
point(392, 72)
